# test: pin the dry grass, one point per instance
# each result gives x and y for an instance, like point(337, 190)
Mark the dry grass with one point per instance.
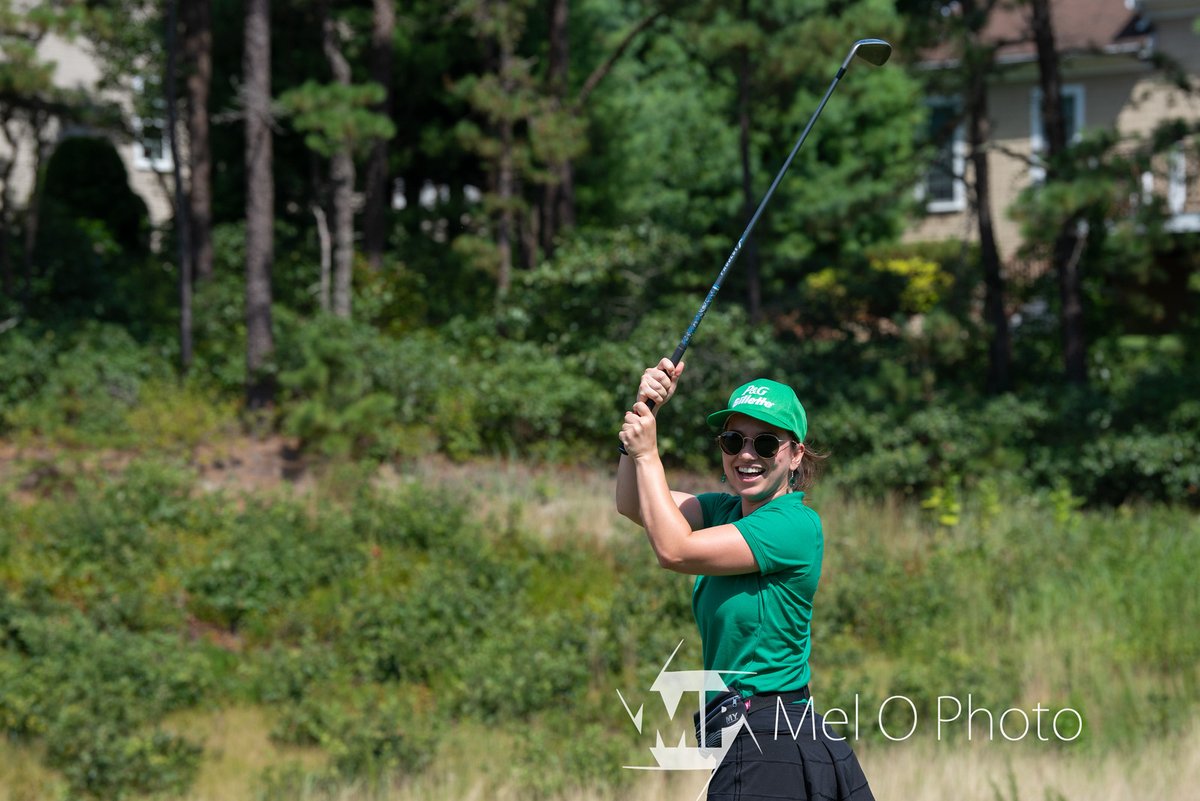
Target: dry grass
point(551, 500)
point(471, 766)
point(23, 777)
point(1002, 772)
point(237, 750)
point(568, 502)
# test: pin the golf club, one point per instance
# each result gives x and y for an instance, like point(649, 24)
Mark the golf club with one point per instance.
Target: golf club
point(873, 51)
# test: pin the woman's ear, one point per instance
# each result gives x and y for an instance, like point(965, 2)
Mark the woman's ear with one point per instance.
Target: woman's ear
point(797, 455)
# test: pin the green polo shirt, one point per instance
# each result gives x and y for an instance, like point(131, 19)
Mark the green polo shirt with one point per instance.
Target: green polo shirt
point(760, 621)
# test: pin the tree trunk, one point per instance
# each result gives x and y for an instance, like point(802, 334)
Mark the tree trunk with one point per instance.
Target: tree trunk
point(505, 191)
point(260, 203)
point(506, 178)
point(1068, 244)
point(999, 375)
point(197, 50)
point(527, 223)
point(6, 212)
point(341, 177)
point(558, 197)
point(753, 278)
point(182, 220)
point(378, 187)
point(326, 246)
point(33, 210)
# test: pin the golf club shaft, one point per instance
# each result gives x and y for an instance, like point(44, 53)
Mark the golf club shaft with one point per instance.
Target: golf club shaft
point(737, 249)
point(677, 356)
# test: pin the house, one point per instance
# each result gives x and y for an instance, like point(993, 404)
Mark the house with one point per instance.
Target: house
point(146, 155)
point(1109, 49)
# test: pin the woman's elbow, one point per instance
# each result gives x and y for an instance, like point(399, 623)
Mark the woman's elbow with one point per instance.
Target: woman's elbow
point(629, 513)
point(671, 561)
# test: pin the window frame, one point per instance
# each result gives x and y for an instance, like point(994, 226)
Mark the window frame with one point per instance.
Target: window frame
point(142, 158)
point(1076, 93)
point(958, 163)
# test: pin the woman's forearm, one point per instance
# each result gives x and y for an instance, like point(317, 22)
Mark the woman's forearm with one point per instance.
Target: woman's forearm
point(666, 527)
point(627, 490)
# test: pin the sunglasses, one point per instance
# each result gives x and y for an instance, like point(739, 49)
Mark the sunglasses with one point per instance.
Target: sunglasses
point(765, 445)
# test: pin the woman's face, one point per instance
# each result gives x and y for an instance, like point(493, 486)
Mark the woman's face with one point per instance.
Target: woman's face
point(758, 479)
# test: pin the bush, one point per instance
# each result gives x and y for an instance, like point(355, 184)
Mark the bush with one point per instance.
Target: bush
point(335, 403)
point(92, 249)
point(95, 697)
point(82, 385)
point(370, 733)
point(269, 555)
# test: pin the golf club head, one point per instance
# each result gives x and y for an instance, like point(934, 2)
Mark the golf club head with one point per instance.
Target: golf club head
point(873, 51)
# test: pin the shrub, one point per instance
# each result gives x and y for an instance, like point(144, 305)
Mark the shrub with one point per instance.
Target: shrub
point(528, 664)
point(95, 696)
point(335, 403)
point(92, 248)
point(369, 732)
point(84, 387)
point(271, 554)
point(178, 417)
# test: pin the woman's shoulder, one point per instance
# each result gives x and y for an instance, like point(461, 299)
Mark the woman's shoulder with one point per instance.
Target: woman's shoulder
point(791, 501)
point(793, 507)
point(719, 507)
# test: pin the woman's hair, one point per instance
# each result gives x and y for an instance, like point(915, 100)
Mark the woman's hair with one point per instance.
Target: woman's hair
point(810, 467)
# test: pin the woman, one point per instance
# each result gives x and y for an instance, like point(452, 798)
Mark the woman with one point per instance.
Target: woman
point(756, 554)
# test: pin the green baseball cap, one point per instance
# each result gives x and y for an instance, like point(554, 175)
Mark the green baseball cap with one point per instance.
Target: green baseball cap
point(768, 401)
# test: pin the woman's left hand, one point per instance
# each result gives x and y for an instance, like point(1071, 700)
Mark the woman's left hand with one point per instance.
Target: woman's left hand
point(639, 434)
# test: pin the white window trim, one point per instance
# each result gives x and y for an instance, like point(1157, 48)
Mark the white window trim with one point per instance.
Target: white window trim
point(142, 160)
point(1176, 181)
point(1037, 138)
point(958, 150)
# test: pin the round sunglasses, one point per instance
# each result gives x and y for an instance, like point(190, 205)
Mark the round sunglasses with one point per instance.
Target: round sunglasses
point(765, 445)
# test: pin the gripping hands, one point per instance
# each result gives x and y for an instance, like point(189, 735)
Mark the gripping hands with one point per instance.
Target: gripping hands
point(639, 433)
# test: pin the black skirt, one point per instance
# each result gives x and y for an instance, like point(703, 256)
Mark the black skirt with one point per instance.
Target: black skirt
point(799, 762)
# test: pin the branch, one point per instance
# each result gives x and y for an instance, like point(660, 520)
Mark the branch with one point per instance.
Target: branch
point(602, 70)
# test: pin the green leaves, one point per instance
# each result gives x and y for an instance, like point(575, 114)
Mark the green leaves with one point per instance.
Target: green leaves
point(333, 116)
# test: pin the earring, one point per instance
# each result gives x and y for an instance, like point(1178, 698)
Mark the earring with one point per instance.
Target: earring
point(792, 479)
point(722, 478)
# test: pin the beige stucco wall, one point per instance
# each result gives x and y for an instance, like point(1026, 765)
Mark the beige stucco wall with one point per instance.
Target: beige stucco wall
point(1118, 91)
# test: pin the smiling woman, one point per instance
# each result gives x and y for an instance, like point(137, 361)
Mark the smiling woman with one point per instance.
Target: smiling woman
point(756, 553)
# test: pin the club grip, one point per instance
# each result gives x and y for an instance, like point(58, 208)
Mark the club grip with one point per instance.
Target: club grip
point(676, 357)
point(621, 445)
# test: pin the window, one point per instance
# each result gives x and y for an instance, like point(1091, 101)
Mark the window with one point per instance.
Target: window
point(1072, 111)
point(943, 189)
point(151, 149)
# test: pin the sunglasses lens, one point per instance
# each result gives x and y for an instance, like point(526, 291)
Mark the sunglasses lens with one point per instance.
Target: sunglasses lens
point(767, 445)
point(731, 442)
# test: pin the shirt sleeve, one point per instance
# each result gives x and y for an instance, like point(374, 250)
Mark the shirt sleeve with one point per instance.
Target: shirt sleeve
point(712, 506)
point(784, 534)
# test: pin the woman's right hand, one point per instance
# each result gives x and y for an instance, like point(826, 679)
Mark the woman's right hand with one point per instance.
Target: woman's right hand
point(659, 382)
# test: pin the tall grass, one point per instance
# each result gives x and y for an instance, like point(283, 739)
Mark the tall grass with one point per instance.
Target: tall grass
point(438, 630)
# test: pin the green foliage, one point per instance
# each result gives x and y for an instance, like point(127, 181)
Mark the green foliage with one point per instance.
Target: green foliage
point(563, 755)
point(334, 116)
point(338, 403)
point(598, 286)
point(93, 241)
point(367, 620)
point(370, 733)
point(179, 417)
point(94, 697)
point(268, 556)
point(84, 383)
